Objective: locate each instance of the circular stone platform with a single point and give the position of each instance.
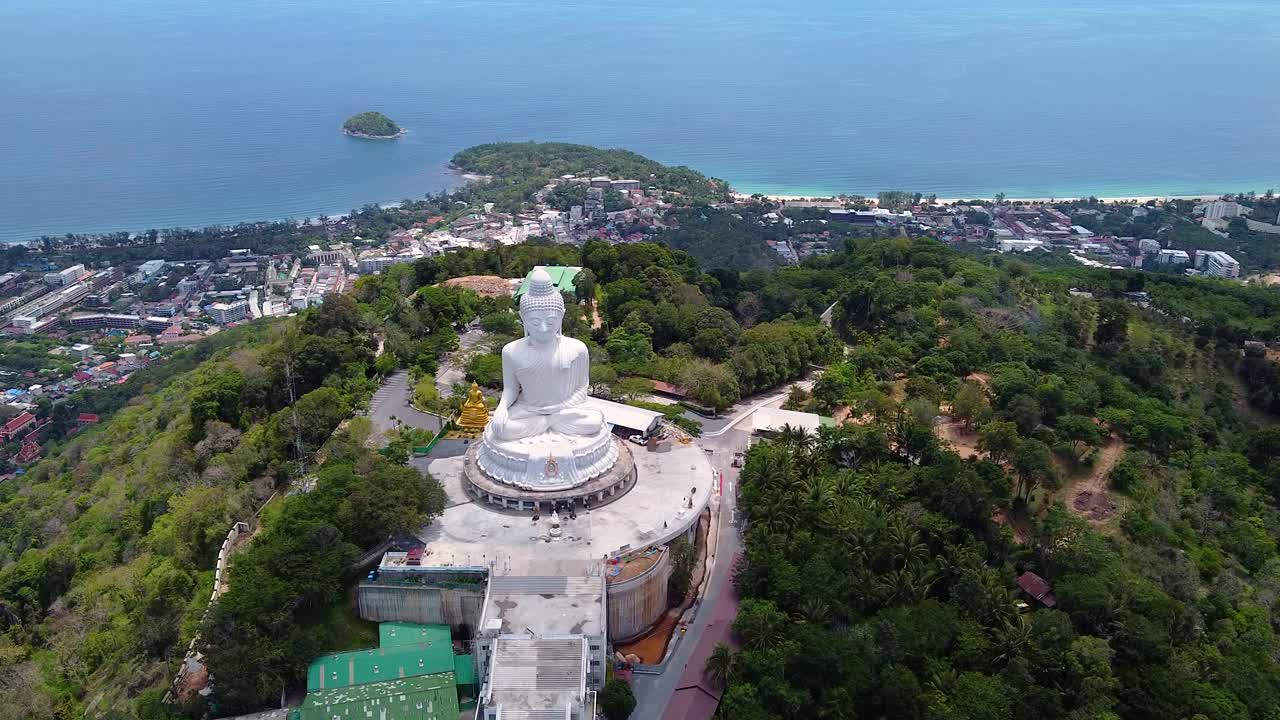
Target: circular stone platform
(601, 490)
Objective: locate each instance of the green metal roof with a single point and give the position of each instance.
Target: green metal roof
(391, 634)
(561, 276)
(427, 697)
(464, 669)
(360, 667)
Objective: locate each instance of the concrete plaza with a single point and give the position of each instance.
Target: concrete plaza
(653, 512)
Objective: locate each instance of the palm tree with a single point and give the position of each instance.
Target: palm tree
(907, 548)
(1011, 639)
(815, 611)
(722, 665)
(796, 438)
(819, 499)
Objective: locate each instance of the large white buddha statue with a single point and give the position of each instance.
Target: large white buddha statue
(542, 436)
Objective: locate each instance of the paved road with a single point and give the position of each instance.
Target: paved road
(392, 401)
(722, 437)
(715, 427)
(452, 370)
(653, 692)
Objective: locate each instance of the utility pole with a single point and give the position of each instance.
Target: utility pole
(297, 430)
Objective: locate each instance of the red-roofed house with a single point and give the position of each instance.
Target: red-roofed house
(16, 425)
(664, 388)
(82, 376)
(29, 452)
(697, 696)
(1037, 588)
(34, 434)
(87, 419)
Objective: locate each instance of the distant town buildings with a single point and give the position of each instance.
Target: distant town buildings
(1219, 209)
(66, 276)
(223, 313)
(151, 268)
(1218, 264)
(1173, 257)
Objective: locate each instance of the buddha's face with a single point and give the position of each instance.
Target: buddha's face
(542, 326)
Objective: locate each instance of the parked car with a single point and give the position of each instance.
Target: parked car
(638, 439)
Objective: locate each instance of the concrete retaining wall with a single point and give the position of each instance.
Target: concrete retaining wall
(452, 606)
(636, 604)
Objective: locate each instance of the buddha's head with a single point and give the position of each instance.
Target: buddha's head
(541, 308)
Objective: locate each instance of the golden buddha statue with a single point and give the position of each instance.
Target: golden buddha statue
(474, 415)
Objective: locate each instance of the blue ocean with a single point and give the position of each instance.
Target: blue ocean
(136, 114)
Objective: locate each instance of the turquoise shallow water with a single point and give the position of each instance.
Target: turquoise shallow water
(156, 113)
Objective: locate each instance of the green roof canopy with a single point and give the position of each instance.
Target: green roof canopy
(464, 669)
(561, 276)
(391, 634)
(427, 697)
(342, 670)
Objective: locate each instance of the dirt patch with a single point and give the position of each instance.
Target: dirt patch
(1265, 279)
(1015, 522)
(960, 438)
(651, 646)
(1090, 498)
(485, 285)
(1095, 507)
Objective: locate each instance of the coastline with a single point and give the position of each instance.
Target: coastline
(952, 201)
(362, 136)
(467, 178)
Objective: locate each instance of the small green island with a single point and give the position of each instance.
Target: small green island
(373, 125)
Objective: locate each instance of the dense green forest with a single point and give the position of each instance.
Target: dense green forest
(1109, 449)
(371, 124)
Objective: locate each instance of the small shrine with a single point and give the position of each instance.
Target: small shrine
(474, 415)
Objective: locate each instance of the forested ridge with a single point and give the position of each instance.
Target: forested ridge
(521, 169)
(879, 572)
(880, 565)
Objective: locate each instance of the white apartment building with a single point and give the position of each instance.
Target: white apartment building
(223, 313)
(1219, 209)
(1220, 264)
(65, 276)
(1173, 257)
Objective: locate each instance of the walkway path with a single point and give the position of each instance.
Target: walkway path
(452, 368)
(1090, 498)
(653, 692)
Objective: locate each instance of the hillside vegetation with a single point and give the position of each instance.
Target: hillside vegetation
(879, 575)
(108, 546)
